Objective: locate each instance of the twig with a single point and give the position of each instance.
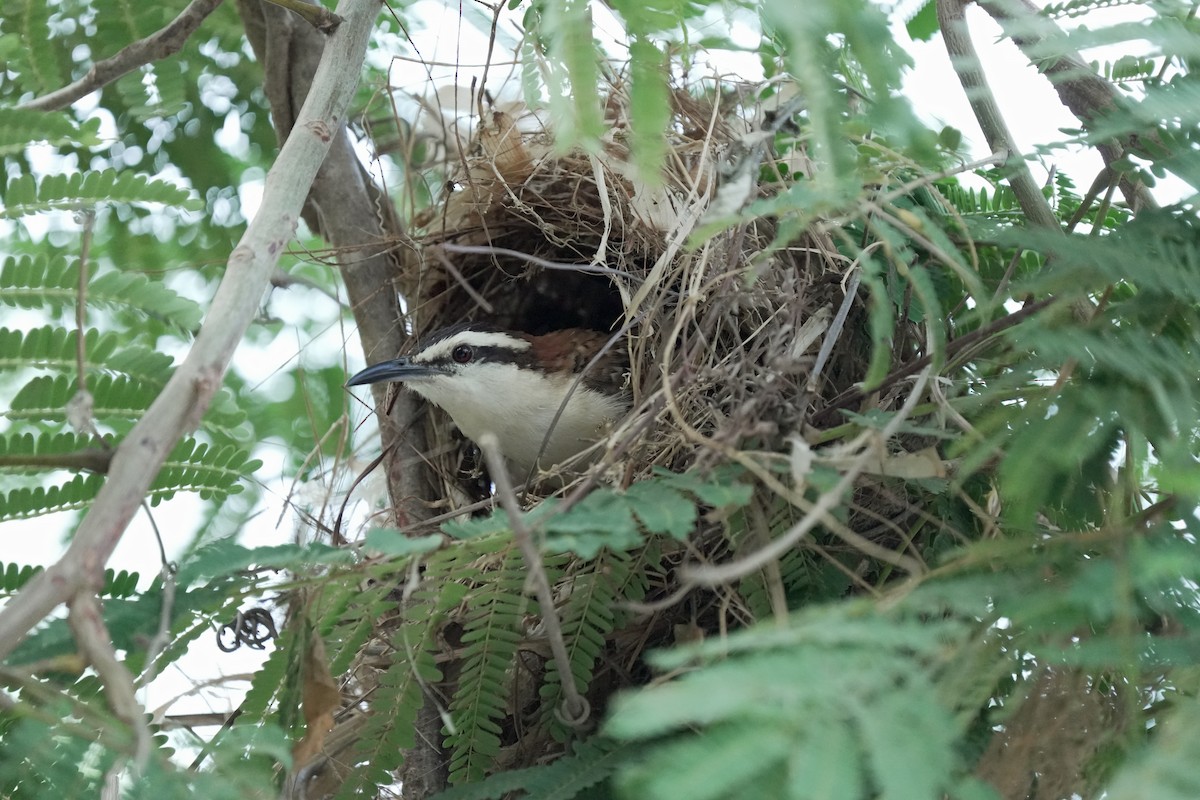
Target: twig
(190, 390)
(834, 332)
(158, 716)
(575, 708)
(591, 269)
(91, 460)
(995, 160)
(734, 570)
(962, 342)
(1087, 95)
(87, 624)
(987, 113)
(163, 635)
(462, 281)
(497, 10)
(314, 14)
(165, 42)
(189, 721)
(282, 280)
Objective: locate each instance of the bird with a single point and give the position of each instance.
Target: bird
(512, 384)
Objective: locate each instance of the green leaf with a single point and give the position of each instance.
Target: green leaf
(923, 25)
(661, 508)
(390, 542)
(24, 195)
(1163, 769)
(721, 487)
(21, 127)
(950, 137)
(750, 701)
(566, 31)
(711, 764)
(650, 107)
(897, 772)
(51, 283)
(602, 519)
(829, 766)
(588, 763)
(227, 557)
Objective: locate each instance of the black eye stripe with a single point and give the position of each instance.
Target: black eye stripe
(483, 355)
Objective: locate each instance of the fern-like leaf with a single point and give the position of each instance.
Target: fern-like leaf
(36, 61)
(51, 283)
(50, 346)
(16, 446)
(589, 763)
(24, 195)
(26, 502)
(491, 635)
(14, 576)
(587, 617)
(398, 697)
(875, 676)
(212, 472)
(20, 128)
(45, 398)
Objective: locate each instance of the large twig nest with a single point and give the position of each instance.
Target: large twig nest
(738, 338)
(724, 329)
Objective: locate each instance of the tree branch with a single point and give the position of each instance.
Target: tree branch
(189, 392)
(91, 460)
(316, 15)
(348, 210)
(1087, 95)
(575, 709)
(87, 624)
(987, 112)
(166, 42)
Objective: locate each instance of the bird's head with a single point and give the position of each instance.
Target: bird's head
(515, 385)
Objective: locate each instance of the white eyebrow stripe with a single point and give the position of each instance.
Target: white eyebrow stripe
(443, 348)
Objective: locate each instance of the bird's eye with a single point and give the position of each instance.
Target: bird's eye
(462, 354)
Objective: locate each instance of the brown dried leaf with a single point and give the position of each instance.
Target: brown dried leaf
(321, 698)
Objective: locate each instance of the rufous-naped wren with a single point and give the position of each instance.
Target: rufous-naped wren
(512, 385)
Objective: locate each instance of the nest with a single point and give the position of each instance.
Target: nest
(723, 332)
(741, 338)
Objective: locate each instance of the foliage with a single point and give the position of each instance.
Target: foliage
(1034, 513)
(805, 711)
(619, 519)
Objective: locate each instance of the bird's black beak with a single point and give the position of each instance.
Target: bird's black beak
(397, 369)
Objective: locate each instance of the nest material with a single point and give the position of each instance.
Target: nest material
(723, 336)
(723, 333)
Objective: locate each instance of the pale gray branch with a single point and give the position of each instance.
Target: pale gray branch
(189, 392)
(1088, 96)
(987, 113)
(575, 709)
(91, 634)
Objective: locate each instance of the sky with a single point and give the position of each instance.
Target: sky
(1030, 105)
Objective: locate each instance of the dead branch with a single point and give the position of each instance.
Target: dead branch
(162, 43)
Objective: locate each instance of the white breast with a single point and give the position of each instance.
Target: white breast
(518, 410)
